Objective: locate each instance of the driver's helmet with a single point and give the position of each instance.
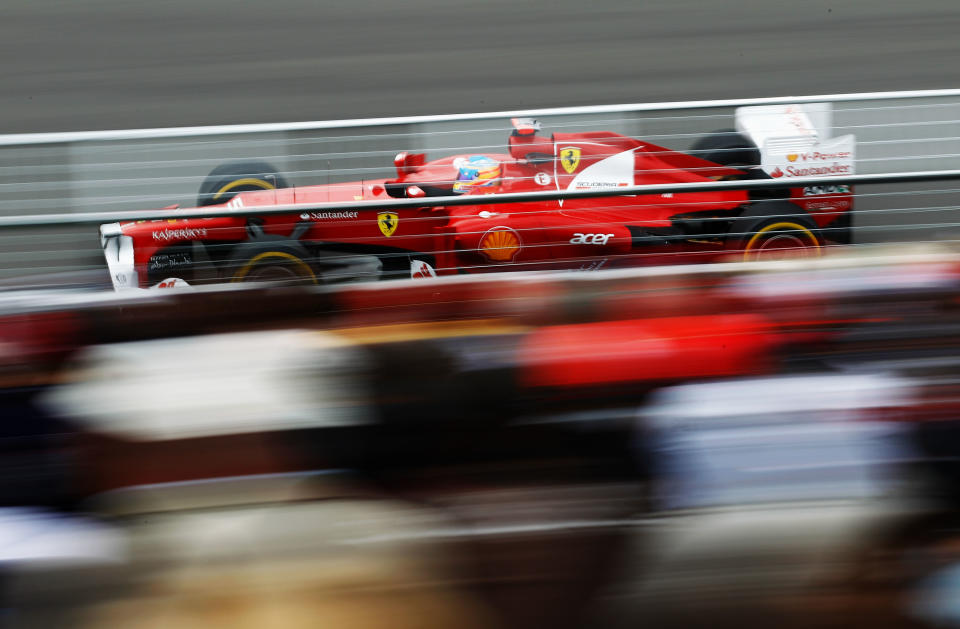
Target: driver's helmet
(476, 171)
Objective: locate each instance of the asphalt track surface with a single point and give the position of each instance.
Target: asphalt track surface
(109, 64)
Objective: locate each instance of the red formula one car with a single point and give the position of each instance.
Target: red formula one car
(327, 246)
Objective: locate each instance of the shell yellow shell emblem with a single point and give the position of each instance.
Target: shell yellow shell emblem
(500, 244)
(570, 158)
(387, 222)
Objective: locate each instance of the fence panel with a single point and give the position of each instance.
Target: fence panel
(143, 169)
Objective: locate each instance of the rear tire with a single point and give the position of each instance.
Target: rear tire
(774, 230)
(225, 181)
(727, 148)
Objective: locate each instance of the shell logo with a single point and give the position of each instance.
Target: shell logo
(792, 157)
(500, 244)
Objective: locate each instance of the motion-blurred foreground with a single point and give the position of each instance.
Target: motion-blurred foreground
(734, 444)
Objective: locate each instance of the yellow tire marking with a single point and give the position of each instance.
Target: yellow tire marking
(260, 183)
(297, 262)
(784, 225)
(395, 332)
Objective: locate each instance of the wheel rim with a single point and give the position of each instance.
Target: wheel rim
(243, 185)
(782, 241)
(276, 266)
(274, 273)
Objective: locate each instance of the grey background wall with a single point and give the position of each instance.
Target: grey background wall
(113, 64)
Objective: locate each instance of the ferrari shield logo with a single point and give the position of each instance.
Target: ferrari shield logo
(387, 221)
(570, 158)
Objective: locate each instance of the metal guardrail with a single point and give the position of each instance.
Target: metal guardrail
(54, 186)
(184, 132)
(93, 218)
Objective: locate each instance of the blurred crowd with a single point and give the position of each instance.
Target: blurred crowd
(772, 443)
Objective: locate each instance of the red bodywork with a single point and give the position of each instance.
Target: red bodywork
(570, 234)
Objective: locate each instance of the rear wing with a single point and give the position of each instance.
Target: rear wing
(795, 140)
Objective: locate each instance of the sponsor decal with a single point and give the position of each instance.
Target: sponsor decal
(599, 185)
(570, 158)
(187, 233)
(813, 171)
(319, 216)
(387, 222)
(776, 172)
(590, 239)
(235, 202)
(171, 282)
(815, 191)
(500, 244)
(420, 269)
(817, 156)
(798, 119)
(828, 205)
(615, 171)
(488, 214)
(543, 179)
(169, 261)
(792, 157)
(594, 265)
(121, 279)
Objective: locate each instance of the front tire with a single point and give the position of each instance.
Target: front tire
(227, 180)
(271, 261)
(774, 230)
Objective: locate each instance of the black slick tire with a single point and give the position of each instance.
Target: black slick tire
(279, 261)
(225, 181)
(770, 230)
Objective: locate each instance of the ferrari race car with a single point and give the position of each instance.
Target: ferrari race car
(781, 141)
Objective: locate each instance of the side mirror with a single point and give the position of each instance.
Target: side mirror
(525, 126)
(408, 191)
(407, 163)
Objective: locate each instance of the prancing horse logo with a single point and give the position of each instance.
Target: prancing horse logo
(570, 158)
(387, 221)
